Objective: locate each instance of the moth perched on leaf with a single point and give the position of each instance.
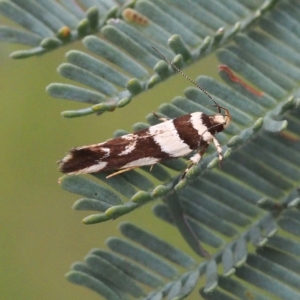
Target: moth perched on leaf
(169, 139)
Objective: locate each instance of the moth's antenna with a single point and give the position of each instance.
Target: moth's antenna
(188, 78)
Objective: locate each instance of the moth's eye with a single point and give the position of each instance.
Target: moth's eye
(227, 120)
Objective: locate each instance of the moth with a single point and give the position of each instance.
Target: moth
(172, 138)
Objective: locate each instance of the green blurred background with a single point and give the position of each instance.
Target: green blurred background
(41, 235)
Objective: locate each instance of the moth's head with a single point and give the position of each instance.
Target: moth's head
(221, 121)
(227, 118)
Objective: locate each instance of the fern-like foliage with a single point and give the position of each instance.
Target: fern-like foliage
(254, 195)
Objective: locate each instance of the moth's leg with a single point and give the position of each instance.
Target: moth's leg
(120, 172)
(196, 158)
(219, 149)
(160, 118)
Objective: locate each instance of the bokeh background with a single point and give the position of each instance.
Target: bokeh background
(40, 234)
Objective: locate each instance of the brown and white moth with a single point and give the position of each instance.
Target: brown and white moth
(169, 139)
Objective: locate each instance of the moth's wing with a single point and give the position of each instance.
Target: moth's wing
(145, 147)
(81, 160)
